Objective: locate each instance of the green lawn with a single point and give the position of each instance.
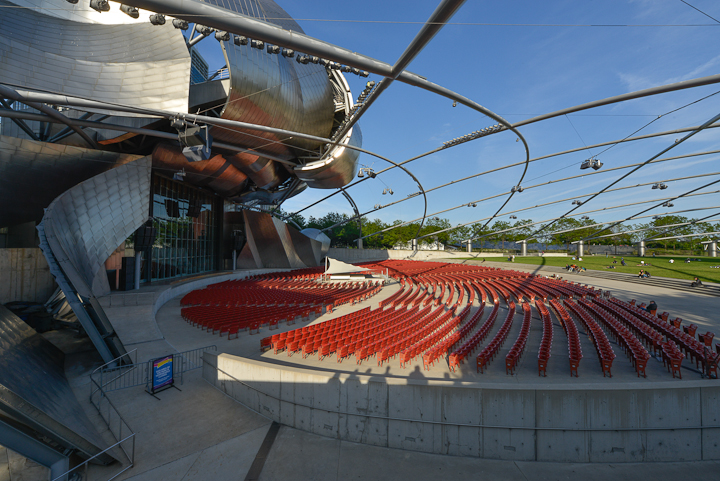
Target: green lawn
(660, 267)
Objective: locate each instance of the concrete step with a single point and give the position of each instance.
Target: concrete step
(665, 282)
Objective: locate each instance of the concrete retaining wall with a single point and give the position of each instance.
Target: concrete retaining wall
(607, 423)
(25, 276)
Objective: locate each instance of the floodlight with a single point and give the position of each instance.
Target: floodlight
(656, 186)
(378, 206)
(513, 217)
(576, 202)
(258, 44)
(370, 84)
(663, 186)
(361, 174)
(157, 19)
(356, 71)
(204, 30)
(303, 59)
(364, 73)
(454, 103)
(345, 69)
(221, 35)
(474, 205)
(315, 59)
(273, 49)
(72, 1)
(129, 10)
(288, 52)
(585, 164)
(240, 40)
(596, 164)
(100, 5)
(180, 24)
(197, 142)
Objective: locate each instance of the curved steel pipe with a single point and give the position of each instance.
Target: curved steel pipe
(50, 112)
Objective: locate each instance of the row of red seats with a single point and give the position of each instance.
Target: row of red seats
(411, 337)
(303, 335)
(516, 351)
(604, 350)
(640, 328)
(568, 325)
(693, 348)
(547, 337)
(466, 349)
(630, 344)
(489, 352)
(443, 347)
(444, 336)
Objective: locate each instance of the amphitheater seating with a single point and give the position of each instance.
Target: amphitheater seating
(491, 350)
(574, 348)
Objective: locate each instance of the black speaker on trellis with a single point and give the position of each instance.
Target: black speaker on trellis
(145, 237)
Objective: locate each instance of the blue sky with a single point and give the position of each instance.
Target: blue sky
(520, 71)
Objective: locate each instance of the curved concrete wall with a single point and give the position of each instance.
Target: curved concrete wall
(668, 421)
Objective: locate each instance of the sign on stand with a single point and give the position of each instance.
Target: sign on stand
(162, 374)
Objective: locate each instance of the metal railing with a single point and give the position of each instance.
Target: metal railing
(138, 374)
(116, 424)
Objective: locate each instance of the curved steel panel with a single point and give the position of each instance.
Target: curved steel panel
(98, 56)
(272, 243)
(88, 222)
(274, 90)
(33, 173)
(34, 390)
(338, 169)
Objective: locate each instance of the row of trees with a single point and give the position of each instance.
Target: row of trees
(343, 231)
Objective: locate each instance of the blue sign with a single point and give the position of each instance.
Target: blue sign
(162, 373)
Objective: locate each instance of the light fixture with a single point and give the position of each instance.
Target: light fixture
(474, 205)
(513, 217)
(258, 44)
(356, 71)
(240, 40)
(288, 52)
(378, 206)
(204, 29)
(100, 5)
(656, 217)
(576, 202)
(72, 1)
(516, 188)
(180, 24)
(196, 141)
(222, 36)
(668, 204)
(315, 59)
(273, 49)
(596, 164)
(157, 19)
(585, 217)
(370, 84)
(129, 10)
(345, 69)
(303, 59)
(454, 103)
(361, 173)
(663, 186)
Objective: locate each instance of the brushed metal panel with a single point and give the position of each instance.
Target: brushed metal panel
(82, 245)
(72, 49)
(33, 173)
(34, 390)
(336, 171)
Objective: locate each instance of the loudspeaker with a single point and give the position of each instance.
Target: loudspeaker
(127, 274)
(145, 237)
(172, 208)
